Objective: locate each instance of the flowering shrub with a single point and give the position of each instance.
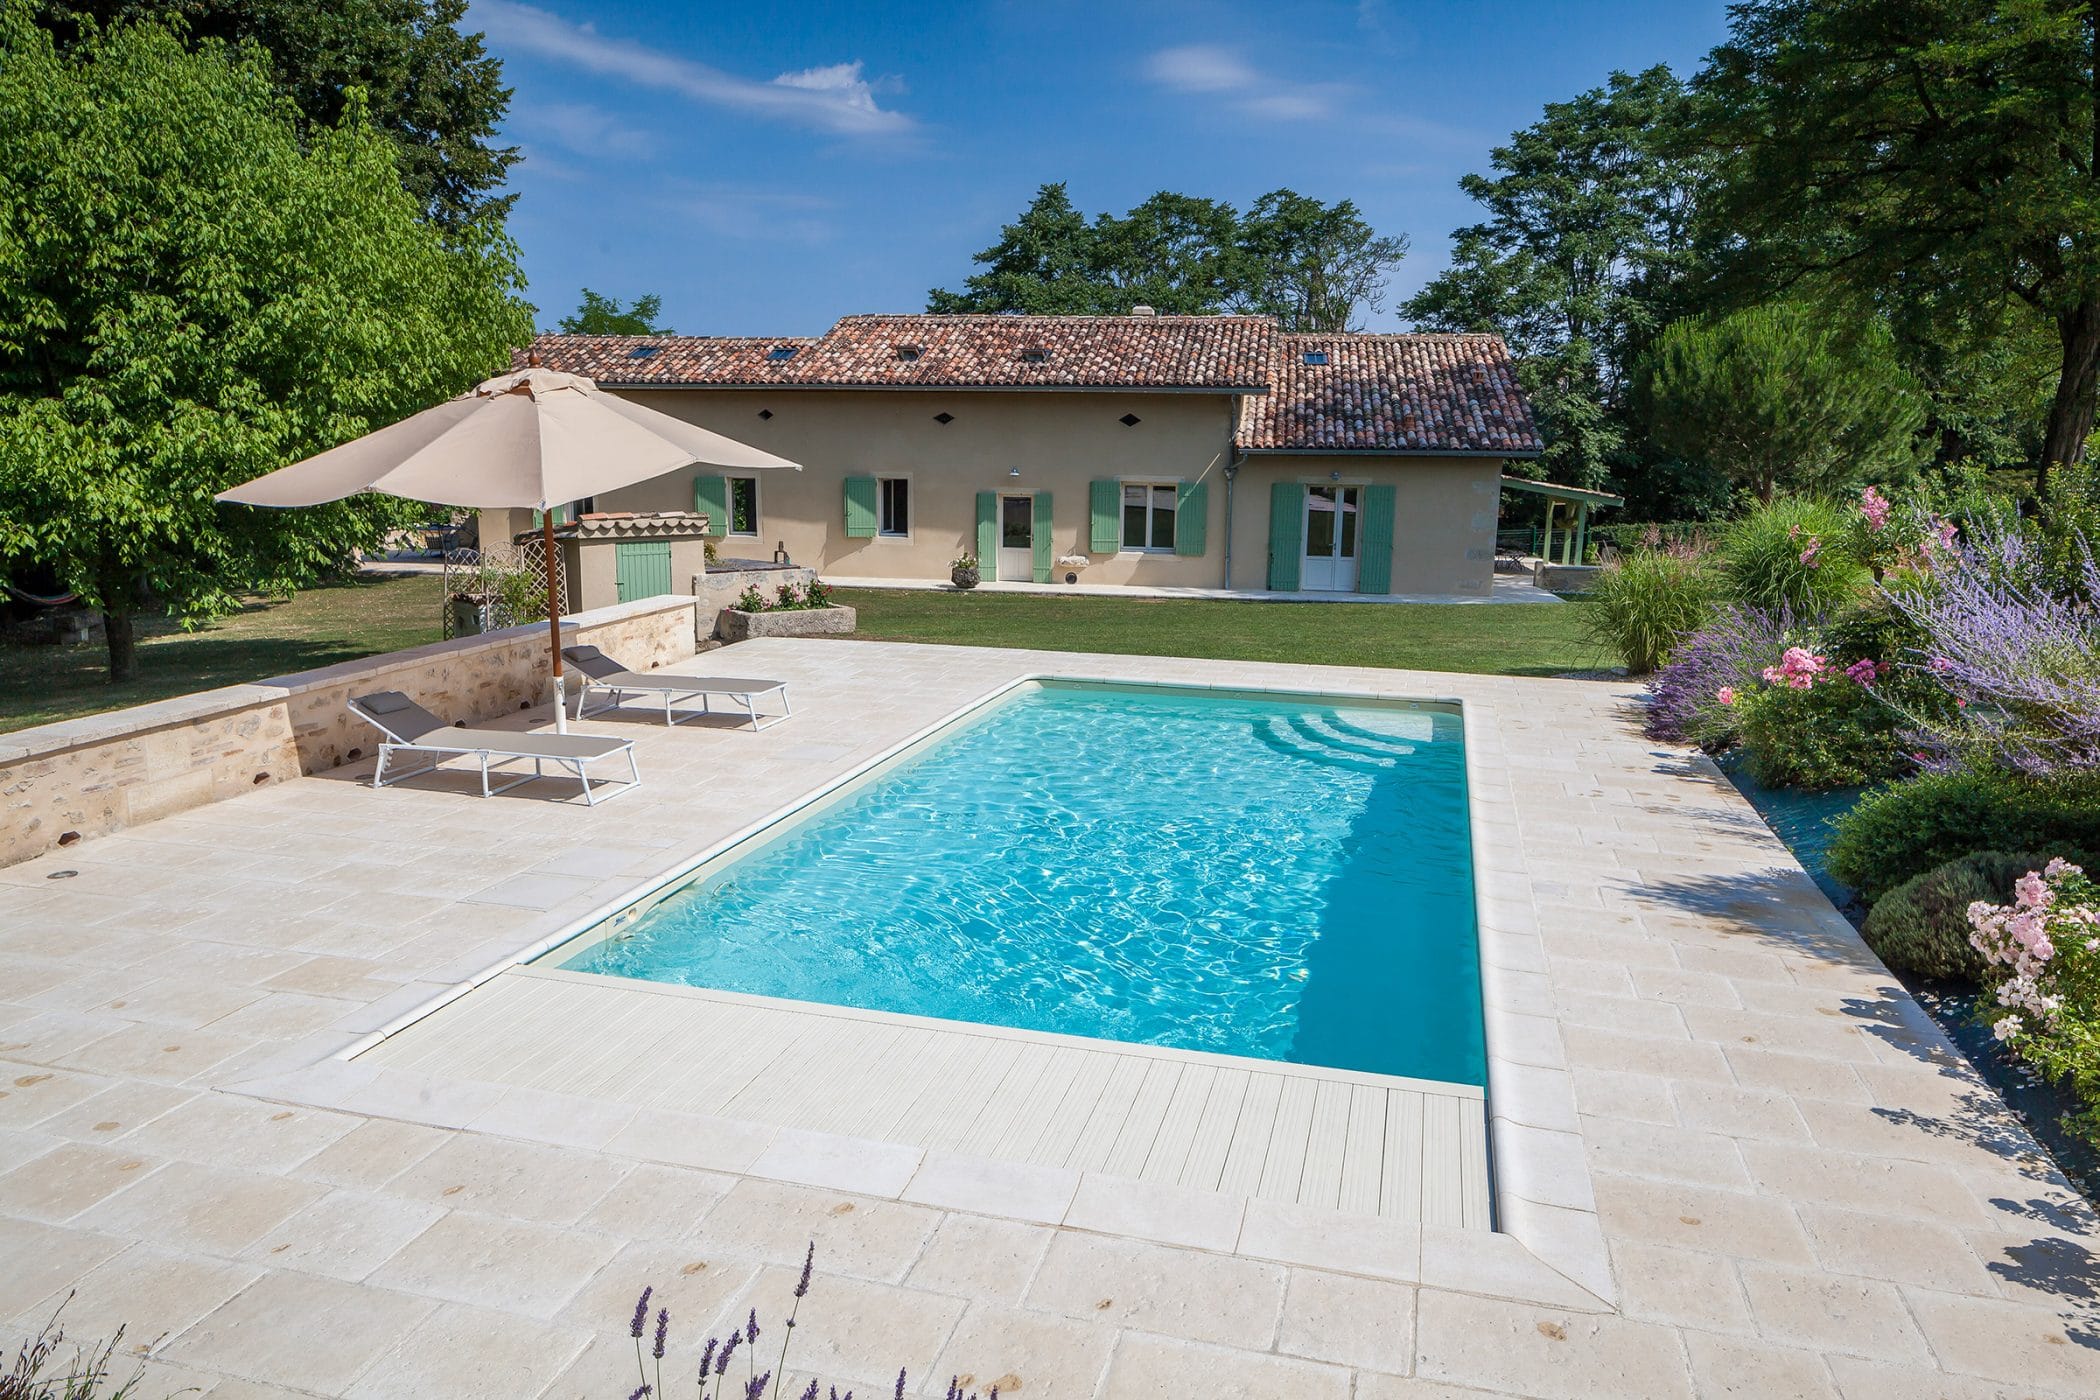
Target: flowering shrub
(1814, 724)
(2019, 656)
(2043, 950)
(717, 1357)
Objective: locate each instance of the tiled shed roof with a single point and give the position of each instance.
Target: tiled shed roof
(1374, 393)
(1390, 393)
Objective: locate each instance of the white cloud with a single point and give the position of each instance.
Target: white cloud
(835, 98)
(584, 129)
(1210, 70)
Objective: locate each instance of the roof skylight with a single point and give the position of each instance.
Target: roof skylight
(1316, 357)
(643, 352)
(782, 352)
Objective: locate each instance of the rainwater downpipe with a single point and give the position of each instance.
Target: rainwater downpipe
(1232, 472)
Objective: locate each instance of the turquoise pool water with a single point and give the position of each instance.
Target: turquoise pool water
(1285, 879)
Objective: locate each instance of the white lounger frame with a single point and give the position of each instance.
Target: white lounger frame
(672, 695)
(492, 760)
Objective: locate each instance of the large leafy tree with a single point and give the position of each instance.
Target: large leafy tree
(431, 87)
(196, 289)
(1043, 264)
(603, 315)
(1588, 249)
(1949, 147)
(1313, 266)
(1779, 397)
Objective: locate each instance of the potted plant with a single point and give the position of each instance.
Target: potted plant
(963, 572)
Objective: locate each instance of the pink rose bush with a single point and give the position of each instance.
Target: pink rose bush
(2043, 983)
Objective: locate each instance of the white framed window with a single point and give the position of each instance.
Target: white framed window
(1148, 516)
(743, 505)
(893, 506)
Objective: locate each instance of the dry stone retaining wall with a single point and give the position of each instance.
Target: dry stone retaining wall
(65, 782)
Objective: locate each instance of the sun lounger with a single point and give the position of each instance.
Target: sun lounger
(604, 673)
(409, 727)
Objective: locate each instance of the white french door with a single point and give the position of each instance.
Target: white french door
(1331, 516)
(1016, 539)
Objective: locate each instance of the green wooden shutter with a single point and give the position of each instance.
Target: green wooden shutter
(1374, 540)
(1191, 517)
(1105, 506)
(1039, 536)
(561, 517)
(641, 569)
(988, 534)
(711, 499)
(860, 507)
(1286, 534)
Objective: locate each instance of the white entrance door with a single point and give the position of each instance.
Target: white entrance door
(1016, 539)
(1330, 539)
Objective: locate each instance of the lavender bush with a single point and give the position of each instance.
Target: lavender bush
(2019, 653)
(717, 1356)
(1725, 656)
(47, 1367)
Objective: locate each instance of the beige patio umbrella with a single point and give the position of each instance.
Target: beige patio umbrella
(534, 438)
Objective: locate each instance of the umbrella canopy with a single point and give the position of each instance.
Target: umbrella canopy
(536, 438)
(532, 438)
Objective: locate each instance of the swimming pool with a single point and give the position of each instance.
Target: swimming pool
(1287, 878)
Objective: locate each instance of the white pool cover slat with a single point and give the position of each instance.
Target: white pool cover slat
(1403, 1148)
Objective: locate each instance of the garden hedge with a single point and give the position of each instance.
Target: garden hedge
(1904, 830)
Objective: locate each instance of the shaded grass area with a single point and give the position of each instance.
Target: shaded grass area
(317, 627)
(1506, 640)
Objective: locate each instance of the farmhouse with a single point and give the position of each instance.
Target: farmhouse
(1145, 450)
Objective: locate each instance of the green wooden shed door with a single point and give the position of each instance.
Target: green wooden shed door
(641, 568)
(1286, 534)
(1374, 550)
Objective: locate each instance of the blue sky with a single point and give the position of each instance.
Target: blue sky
(769, 168)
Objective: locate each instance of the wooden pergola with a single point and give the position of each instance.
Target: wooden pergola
(1576, 500)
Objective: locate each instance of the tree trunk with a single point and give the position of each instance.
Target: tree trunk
(2071, 412)
(123, 647)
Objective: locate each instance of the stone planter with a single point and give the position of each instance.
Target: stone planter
(737, 625)
(964, 578)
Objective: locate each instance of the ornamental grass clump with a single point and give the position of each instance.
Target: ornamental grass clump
(1800, 552)
(1645, 602)
(48, 1367)
(2042, 956)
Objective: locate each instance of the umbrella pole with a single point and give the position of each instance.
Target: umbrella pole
(561, 708)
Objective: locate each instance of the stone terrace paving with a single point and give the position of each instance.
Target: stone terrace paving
(1800, 1188)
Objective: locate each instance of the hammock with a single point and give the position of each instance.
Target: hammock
(42, 600)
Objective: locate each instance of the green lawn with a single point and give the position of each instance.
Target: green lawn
(1509, 640)
(318, 627)
(341, 622)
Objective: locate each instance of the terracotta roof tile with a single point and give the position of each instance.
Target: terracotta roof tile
(1375, 393)
(948, 352)
(1393, 393)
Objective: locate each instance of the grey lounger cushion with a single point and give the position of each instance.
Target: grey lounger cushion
(409, 724)
(609, 673)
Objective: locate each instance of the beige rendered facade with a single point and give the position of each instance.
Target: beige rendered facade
(1177, 452)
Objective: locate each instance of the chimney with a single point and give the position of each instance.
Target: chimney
(1142, 311)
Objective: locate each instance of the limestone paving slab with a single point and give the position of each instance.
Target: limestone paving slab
(1799, 1187)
